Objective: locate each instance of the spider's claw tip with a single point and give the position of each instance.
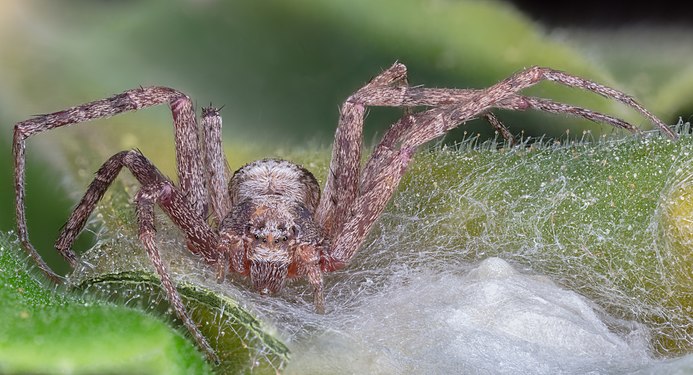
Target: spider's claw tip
(210, 111)
(212, 356)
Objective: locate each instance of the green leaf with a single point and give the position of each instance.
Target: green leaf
(241, 341)
(49, 331)
(610, 219)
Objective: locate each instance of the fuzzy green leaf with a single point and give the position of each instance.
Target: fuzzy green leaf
(610, 219)
(46, 331)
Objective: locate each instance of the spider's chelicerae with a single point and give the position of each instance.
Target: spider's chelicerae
(269, 221)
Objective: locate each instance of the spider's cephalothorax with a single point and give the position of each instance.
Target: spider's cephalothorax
(271, 229)
(272, 223)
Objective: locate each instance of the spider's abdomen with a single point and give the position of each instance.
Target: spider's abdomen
(274, 177)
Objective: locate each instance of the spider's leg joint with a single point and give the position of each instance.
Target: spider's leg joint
(166, 193)
(328, 263)
(407, 153)
(522, 104)
(177, 104)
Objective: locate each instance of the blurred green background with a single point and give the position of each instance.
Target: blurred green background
(282, 69)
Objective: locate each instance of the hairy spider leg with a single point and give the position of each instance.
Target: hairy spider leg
(342, 181)
(503, 94)
(189, 159)
(145, 200)
(501, 129)
(390, 158)
(156, 188)
(217, 171)
(521, 103)
(187, 207)
(201, 238)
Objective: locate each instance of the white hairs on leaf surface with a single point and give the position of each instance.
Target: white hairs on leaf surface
(591, 218)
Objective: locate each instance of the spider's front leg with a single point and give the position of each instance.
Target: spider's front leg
(188, 157)
(156, 189)
(349, 220)
(187, 207)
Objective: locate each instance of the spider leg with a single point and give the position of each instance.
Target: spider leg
(155, 189)
(504, 94)
(536, 74)
(387, 89)
(342, 182)
(189, 159)
(381, 176)
(500, 128)
(522, 103)
(201, 238)
(216, 168)
(389, 160)
(145, 201)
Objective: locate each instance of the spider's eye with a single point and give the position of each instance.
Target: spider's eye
(257, 237)
(284, 238)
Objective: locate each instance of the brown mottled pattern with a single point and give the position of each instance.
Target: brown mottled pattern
(273, 224)
(188, 156)
(499, 127)
(217, 170)
(274, 177)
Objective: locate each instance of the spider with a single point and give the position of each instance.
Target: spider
(269, 220)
